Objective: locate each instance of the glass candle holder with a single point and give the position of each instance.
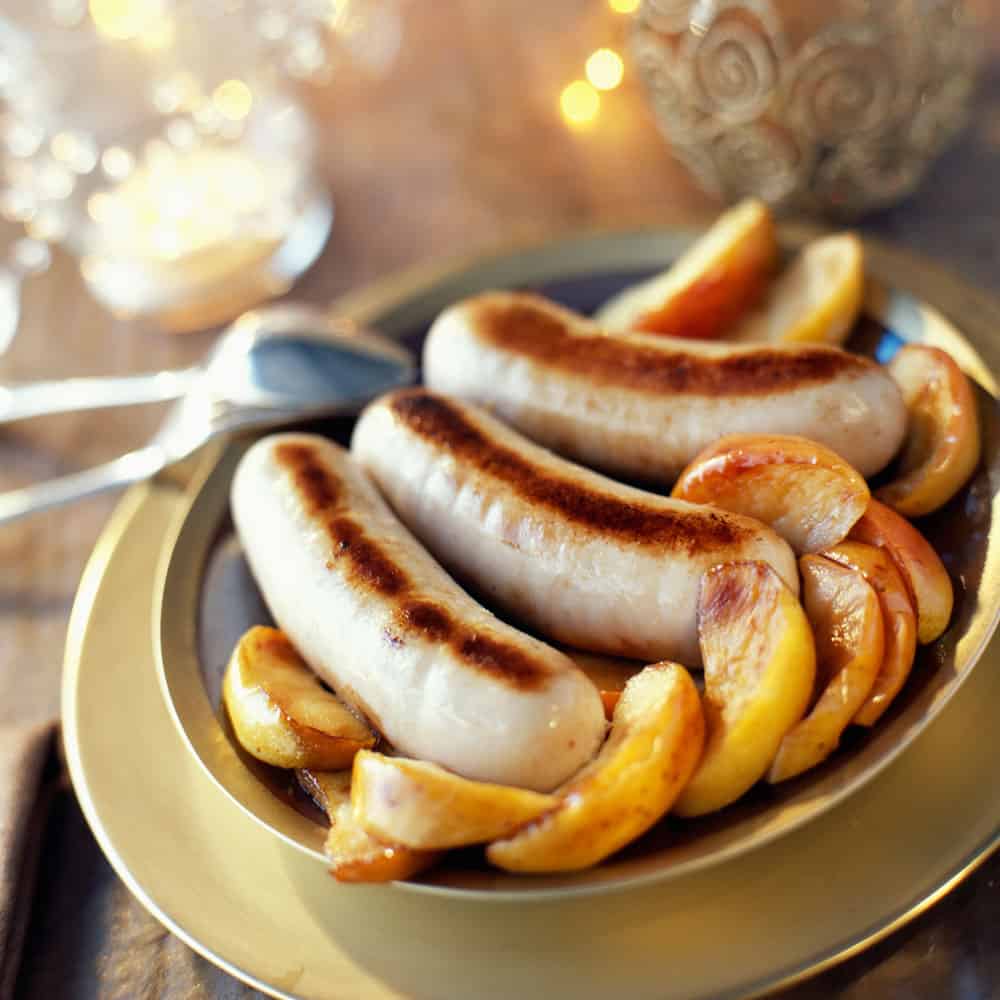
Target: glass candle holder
(835, 108)
(153, 141)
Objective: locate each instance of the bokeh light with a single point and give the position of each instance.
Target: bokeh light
(605, 69)
(233, 99)
(123, 19)
(624, 6)
(579, 102)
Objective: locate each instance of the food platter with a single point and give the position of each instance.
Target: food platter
(209, 599)
(956, 822)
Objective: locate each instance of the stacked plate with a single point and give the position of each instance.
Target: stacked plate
(768, 891)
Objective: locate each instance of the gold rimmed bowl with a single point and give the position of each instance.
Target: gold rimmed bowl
(206, 597)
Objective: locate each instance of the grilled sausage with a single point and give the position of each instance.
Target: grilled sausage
(583, 559)
(394, 635)
(642, 406)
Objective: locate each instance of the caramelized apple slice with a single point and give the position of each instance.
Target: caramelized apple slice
(816, 299)
(760, 664)
(942, 445)
(281, 713)
(846, 619)
(897, 615)
(923, 572)
(656, 739)
(354, 854)
(419, 804)
(710, 287)
(802, 489)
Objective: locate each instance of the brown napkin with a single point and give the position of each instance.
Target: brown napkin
(26, 790)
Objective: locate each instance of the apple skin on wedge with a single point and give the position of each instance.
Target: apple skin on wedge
(760, 664)
(713, 285)
(920, 566)
(280, 712)
(803, 490)
(354, 854)
(843, 609)
(942, 444)
(898, 617)
(655, 742)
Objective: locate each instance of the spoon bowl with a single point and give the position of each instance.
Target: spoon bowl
(293, 358)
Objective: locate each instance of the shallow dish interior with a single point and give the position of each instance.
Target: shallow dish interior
(208, 597)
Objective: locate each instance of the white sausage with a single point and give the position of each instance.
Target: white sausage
(581, 558)
(642, 406)
(394, 635)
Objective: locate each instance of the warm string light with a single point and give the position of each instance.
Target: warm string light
(580, 102)
(605, 69)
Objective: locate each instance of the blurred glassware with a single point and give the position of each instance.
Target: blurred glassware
(154, 140)
(25, 257)
(835, 108)
(315, 39)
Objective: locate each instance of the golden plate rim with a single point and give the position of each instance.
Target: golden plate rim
(90, 638)
(391, 307)
(112, 809)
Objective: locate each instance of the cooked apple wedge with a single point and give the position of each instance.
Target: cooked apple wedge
(942, 444)
(760, 663)
(816, 299)
(922, 570)
(656, 740)
(281, 713)
(710, 287)
(807, 493)
(900, 622)
(354, 854)
(419, 804)
(846, 620)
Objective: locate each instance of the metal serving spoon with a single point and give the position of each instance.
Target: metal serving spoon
(272, 366)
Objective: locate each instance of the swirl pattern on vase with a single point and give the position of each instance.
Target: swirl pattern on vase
(840, 117)
(734, 69)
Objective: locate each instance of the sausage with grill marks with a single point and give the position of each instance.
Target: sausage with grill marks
(382, 623)
(642, 406)
(581, 558)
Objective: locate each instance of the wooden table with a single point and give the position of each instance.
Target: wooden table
(460, 148)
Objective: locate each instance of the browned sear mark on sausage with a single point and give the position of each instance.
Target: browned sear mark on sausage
(366, 564)
(499, 659)
(443, 422)
(426, 619)
(318, 486)
(532, 327)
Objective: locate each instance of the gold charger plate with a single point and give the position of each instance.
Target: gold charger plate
(264, 910)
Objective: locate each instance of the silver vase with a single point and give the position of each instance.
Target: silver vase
(835, 108)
